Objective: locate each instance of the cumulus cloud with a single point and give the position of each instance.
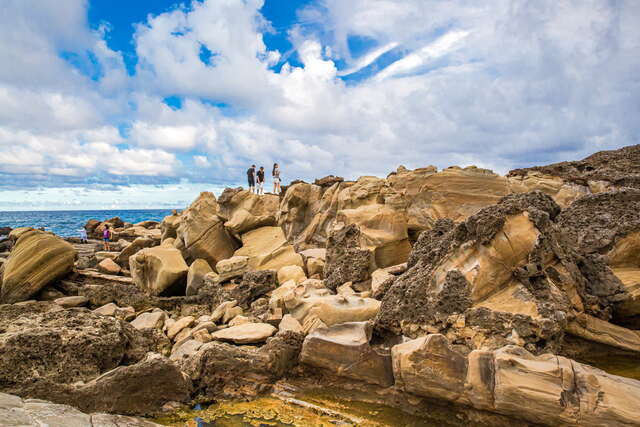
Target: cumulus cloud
(500, 84)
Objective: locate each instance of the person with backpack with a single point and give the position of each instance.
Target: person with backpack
(261, 181)
(251, 173)
(276, 178)
(106, 237)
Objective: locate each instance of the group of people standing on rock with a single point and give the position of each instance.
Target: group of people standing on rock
(257, 177)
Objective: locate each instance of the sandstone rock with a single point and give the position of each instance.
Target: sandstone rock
(231, 268)
(220, 370)
(315, 266)
(446, 369)
(102, 255)
(139, 389)
(267, 249)
(137, 231)
(248, 333)
(506, 268)
(344, 349)
(159, 270)
(221, 310)
(378, 277)
(37, 260)
(202, 335)
(346, 261)
(150, 320)
(546, 389)
(195, 277)
(169, 226)
(239, 320)
(108, 266)
(291, 272)
(69, 302)
(289, 323)
(244, 211)
(597, 330)
(107, 310)
(185, 349)
(317, 253)
(49, 293)
(201, 233)
(43, 345)
(132, 248)
(231, 313)
(183, 335)
(182, 323)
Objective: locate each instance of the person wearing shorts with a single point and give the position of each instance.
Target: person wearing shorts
(106, 237)
(276, 178)
(261, 180)
(251, 177)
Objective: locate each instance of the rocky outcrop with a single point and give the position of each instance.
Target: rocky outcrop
(605, 169)
(346, 261)
(344, 349)
(201, 232)
(223, 370)
(505, 275)
(43, 346)
(122, 259)
(546, 389)
(267, 249)
(244, 211)
(37, 260)
(159, 271)
(195, 277)
(15, 411)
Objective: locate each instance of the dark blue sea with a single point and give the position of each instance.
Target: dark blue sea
(67, 223)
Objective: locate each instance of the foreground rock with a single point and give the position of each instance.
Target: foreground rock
(17, 412)
(46, 350)
(546, 389)
(38, 259)
(159, 270)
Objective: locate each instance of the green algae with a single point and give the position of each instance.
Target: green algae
(624, 366)
(319, 410)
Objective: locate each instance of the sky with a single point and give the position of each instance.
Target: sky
(143, 104)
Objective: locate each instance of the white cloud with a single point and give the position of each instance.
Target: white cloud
(500, 84)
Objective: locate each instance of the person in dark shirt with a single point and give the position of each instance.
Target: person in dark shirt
(251, 177)
(261, 180)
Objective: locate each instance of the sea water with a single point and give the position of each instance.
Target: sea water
(68, 223)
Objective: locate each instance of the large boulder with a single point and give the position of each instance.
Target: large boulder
(244, 211)
(195, 277)
(220, 370)
(43, 345)
(159, 271)
(201, 232)
(346, 260)
(506, 275)
(545, 389)
(37, 260)
(122, 259)
(267, 249)
(169, 226)
(345, 350)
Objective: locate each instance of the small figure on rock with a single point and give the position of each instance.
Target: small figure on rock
(106, 237)
(276, 178)
(251, 177)
(261, 181)
(83, 236)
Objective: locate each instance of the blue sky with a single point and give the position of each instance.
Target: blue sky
(113, 103)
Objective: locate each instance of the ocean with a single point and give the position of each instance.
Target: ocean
(67, 223)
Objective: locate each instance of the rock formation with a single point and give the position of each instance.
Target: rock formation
(37, 259)
(457, 290)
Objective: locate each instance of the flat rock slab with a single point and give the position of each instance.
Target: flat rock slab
(248, 333)
(32, 412)
(97, 275)
(69, 302)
